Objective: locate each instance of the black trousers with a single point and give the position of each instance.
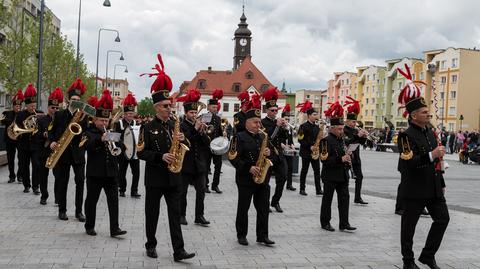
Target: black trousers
(94, 188)
(62, 176)
(122, 174)
(280, 169)
(306, 161)
(11, 151)
(198, 181)
(260, 194)
(217, 164)
(39, 158)
(152, 211)
(24, 160)
(398, 202)
(357, 170)
(289, 160)
(342, 198)
(437, 207)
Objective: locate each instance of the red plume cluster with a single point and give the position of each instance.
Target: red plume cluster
(18, 96)
(218, 106)
(410, 91)
(305, 106)
(57, 94)
(334, 111)
(270, 94)
(30, 91)
(129, 100)
(286, 108)
(353, 106)
(78, 84)
(255, 102)
(163, 82)
(217, 94)
(105, 101)
(243, 97)
(92, 100)
(193, 95)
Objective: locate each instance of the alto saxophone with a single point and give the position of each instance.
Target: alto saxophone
(316, 147)
(177, 149)
(262, 162)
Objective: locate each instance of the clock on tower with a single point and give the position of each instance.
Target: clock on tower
(242, 42)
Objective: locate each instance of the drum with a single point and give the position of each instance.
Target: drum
(219, 145)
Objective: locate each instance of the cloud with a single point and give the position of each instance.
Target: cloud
(300, 41)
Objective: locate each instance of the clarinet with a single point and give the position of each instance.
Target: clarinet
(441, 165)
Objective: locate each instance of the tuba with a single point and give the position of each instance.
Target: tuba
(177, 149)
(262, 162)
(316, 150)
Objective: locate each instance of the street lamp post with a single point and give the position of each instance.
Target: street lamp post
(117, 39)
(114, 76)
(40, 55)
(106, 65)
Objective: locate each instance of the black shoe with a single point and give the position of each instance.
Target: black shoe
(348, 228)
(134, 195)
(217, 190)
(43, 201)
(152, 253)
(410, 265)
(121, 194)
(399, 212)
(425, 212)
(91, 232)
(291, 188)
(432, 264)
(202, 221)
(360, 201)
(11, 180)
(243, 241)
(183, 220)
(182, 255)
(117, 232)
(302, 192)
(320, 192)
(266, 241)
(62, 216)
(270, 210)
(26, 190)
(278, 208)
(207, 190)
(80, 217)
(328, 227)
(19, 180)
(36, 191)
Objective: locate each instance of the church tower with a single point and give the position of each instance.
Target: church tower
(243, 41)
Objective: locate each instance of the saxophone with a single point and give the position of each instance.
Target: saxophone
(316, 146)
(72, 130)
(262, 162)
(177, 149)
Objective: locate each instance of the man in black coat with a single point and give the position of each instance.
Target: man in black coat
(288, 144)
(102, 169)
(73, 156)
(216, 131)
(335, 175)
(249, 143)
(10, 144)
(194, 170)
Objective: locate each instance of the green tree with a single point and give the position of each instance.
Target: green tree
(145, 107)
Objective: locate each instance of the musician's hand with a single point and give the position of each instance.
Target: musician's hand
(198, 125)
(444, 189)
(280, 121)
(181, 136)
(254, 170)
(312, 148)
(266, 152)
(283, 146)
(363, 133)
(104, 137)
(346, 159)
(168, 158)
(438, 152)
(53, 145)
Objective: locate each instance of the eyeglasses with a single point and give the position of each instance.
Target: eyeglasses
(273, 110)
(55, 107)
(166, 106)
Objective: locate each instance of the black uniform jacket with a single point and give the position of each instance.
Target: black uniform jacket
(40, 139)
(73, 153)
(157, 141)
(333, 169)
(217, 127)
(419, 180)
(9, 118)
(274, 145)
(351, 137)
(100, 163)
(307, 134)
(239, 122)
(248, 149)
(195, 160)
(24, 140)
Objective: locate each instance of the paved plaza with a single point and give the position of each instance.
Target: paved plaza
(31, 236)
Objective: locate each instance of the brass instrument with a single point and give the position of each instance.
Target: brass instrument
(262, 162)
(316, 147)
(407, 152)
(177, 149)
(112, 147)
(224, 124)
(232, 151)
(115, 118)
(141, 140)
(29, 124)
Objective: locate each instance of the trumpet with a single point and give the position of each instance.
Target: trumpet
(112, 147)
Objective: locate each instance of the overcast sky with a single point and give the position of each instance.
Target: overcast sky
(301, 41)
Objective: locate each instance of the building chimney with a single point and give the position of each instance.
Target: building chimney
(209, 69)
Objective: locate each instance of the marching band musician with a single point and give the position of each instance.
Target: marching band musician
(335, 171)
(307, 134)
(194, 170)
(24, 145)
(422, 183)
(275, 128)
(102, 168)
(355, 136)
(249, 144)
(40, 143)
(127, 123)
(11, 145)
(73, 156)
(213, 107)
(239, 117)
(153, 146)
(288, 144)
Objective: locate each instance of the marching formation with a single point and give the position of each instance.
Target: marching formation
(99, 143)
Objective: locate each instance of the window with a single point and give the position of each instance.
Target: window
(443, 80)
(366, 90)
(442, 95)
(443, 64)
(413, 76)
(372, 112)
(383, 106)
(440, 111)
(201, 84)
(355, 96)
(264, 87)
(373, 88)
(366, 101)
(454, 62)
(452, 111)
(236, 87)
(226, 107)
(341, 92)
(116, 93)
(117, 85)
(366, 112)
(453, 94)
(454, 79)
(347, 81)
(109, 85)
(373, 76)
(421, 76)
(308, 96)
(373, 100)
(236, 107)
(249, 75)
(368, 77)
(451, 126)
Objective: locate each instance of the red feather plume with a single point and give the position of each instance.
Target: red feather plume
(353, 106)
(193, 95)
(129, 100)
(305, 106)
(30, 91)
(411, 90)
(243, 97)
(286, 108)
(217, 94)
(18, 96)
(334, 111)
(163, 82)
(57, 94)
(78, 84)
(256, 101)
(218, 106)
(92, 100)
(105, 101)
(270, 94)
